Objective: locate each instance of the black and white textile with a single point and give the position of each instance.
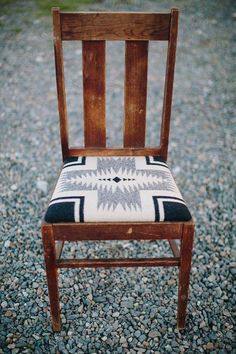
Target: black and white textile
(116, 189)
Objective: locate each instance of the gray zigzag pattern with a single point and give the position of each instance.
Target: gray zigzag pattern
(123, 163)
(127, 198)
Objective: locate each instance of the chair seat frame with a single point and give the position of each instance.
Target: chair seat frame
(69, 26)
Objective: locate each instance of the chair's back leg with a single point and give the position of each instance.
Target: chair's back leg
(52, 276)
(184, 272)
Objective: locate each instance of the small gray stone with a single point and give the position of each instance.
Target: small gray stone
(42, 186)
(4, 304)
(218, 291)
(7, 244)
(137, 334)
(202, 324)
(209, 346)
(153, 334)
(226, 312)
(127, 304)
(211, 278)
(116, 314)
(168, 348)
(142, 338)
(123, 340)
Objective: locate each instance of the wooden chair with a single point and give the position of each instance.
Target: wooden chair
(136, 29)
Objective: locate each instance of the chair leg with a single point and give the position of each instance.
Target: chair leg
(52, 275)
(184, 273)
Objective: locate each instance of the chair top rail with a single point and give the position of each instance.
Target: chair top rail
(115, 26)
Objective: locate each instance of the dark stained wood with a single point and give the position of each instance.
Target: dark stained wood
(94, 93)
(136, 64)
(61, 95)
(184, 273)
(52, 276)
(115, 26)
(76, 151)
(174, 248)
(117, 231)
(122, 262)
(136, 29)
(169, 81)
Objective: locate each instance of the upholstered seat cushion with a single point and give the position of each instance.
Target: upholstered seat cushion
(116, 189)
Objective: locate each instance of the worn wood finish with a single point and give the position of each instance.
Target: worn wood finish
(76, 151)
(121, 262)
(136, 64)
(117, 231)
(184, 273)
(52, 276)
(174, 248)
(115, 26)
(61, 95)
(169, 81)
(94, 93)
(136, 29)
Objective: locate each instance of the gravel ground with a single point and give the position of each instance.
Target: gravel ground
(120, 310)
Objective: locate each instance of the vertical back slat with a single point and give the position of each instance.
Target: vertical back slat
(94, 93)
(169, 80)
(60, 82)
(136, 62)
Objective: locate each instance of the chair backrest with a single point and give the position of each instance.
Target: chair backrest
(136, 29)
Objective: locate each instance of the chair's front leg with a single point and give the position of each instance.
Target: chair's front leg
(184, 272)
(52, 276)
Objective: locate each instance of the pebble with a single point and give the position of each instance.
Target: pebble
(210, 346)
(4, 304)
(127, 304)
(211, 278)
(226, 313)
(42, 186)
(202, 324)
(116, 314)
(122, 340)
(7, 244)
(168, 348)
(153, 334)
(142, 338)
(218, 291)
(39, 59)
(8, 313)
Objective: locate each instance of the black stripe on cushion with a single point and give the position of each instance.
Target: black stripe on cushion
(60, 212)
(176, 212)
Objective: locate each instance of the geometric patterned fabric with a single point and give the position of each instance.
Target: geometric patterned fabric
(116, 189)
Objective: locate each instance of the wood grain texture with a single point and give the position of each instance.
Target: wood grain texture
(76, 151)
(117, 231)
(115, 26)
(136, 64)
(169, 81)
(119, 262)
(52, 276)
(94, 93)
(61, 95)
(184, 273)
(93, 29)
